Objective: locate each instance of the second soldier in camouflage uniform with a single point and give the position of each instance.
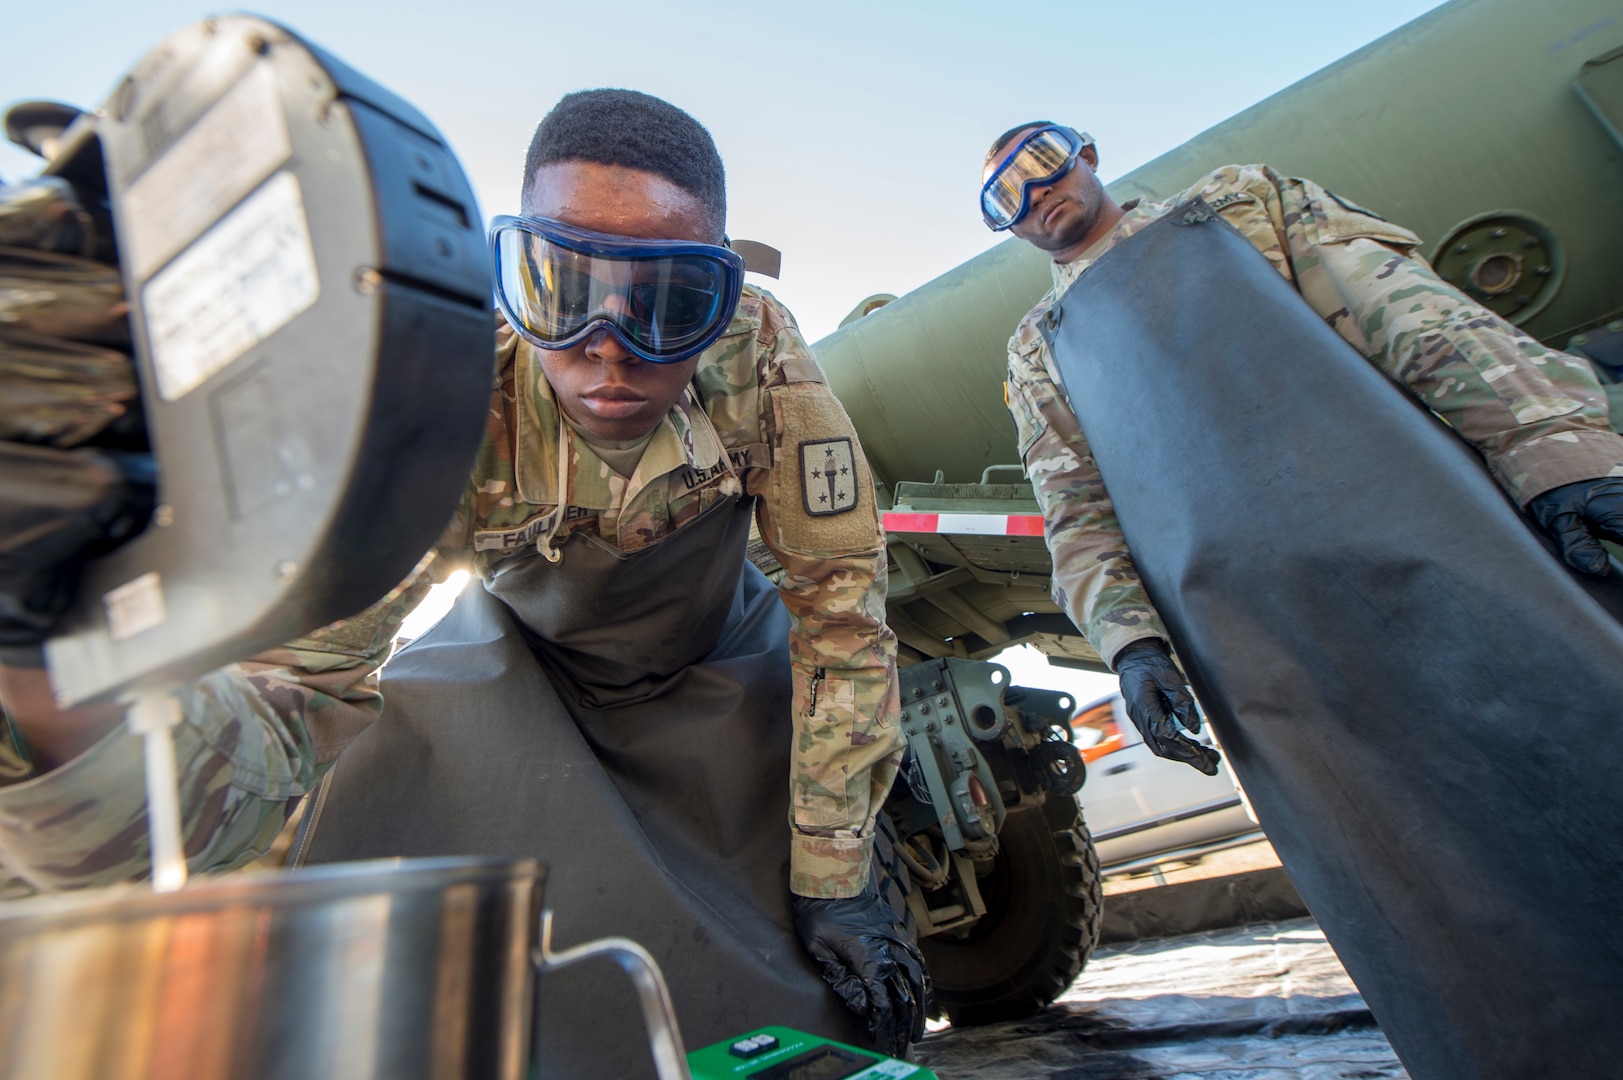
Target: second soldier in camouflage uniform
(1537, 416)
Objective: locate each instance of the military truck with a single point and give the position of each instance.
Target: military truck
(1508, 163)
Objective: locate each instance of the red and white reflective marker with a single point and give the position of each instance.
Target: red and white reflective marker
(965, 524)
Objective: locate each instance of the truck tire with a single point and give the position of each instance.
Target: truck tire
(1041, 924)
(890, 874)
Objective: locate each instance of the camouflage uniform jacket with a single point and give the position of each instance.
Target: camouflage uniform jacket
(1537, 415)
(258, 734)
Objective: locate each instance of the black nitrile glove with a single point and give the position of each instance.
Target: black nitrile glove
(1573, 515)
(1158, 701)
(871, 961)
(58, 509)
(75, 477)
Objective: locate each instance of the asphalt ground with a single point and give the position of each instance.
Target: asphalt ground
(1267, 1001)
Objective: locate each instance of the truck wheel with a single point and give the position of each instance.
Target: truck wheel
(890, 873)
(1041, 923)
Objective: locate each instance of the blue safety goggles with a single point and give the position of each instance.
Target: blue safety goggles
(1040, 158)
(663, 300)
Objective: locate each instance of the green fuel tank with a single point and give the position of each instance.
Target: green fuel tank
(1492, 124)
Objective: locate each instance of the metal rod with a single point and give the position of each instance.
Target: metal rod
(1227, 803)
(1018, 470)
(153, 716)
(658, 1014)
(1126, 869)
(915, 635)
(956, 607)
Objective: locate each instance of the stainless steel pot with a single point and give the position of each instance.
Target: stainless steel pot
(395, 968)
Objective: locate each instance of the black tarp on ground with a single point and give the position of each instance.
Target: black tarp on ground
(1423, 705)
(1261, 1002)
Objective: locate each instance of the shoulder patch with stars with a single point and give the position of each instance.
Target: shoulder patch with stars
(828, 476)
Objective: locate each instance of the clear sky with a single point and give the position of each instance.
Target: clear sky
(852, 129)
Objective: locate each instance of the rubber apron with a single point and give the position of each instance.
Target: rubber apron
(1422, 703)
(624, 717)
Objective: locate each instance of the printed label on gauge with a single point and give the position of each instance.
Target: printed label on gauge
(134, 606)
(241, 140)
(243, 280)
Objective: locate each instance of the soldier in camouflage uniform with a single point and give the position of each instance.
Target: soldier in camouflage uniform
(630, 466)
(1537, 416)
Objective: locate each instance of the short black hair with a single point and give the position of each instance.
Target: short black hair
(1003, 139)
(636, 131)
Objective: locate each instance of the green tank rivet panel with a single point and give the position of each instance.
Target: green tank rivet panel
(1506, 260)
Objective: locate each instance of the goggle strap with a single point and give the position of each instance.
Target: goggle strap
(758, 258)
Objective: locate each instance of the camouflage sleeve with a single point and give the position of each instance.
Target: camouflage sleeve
(253, 738)
(1094, 581)
(1538, 416)
(818, 516)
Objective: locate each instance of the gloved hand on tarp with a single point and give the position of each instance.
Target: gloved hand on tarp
(1158, 701)
(75, 475)
(871, 961)
(1578, 516)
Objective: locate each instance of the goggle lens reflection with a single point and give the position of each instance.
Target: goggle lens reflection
(663, 300)
(1043, 156)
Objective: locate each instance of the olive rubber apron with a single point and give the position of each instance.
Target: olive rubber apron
(1425, 707)
(624, 717)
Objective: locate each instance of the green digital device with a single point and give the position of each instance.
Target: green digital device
(778, 1053)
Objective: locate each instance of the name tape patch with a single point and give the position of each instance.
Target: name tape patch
(1222, 202)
